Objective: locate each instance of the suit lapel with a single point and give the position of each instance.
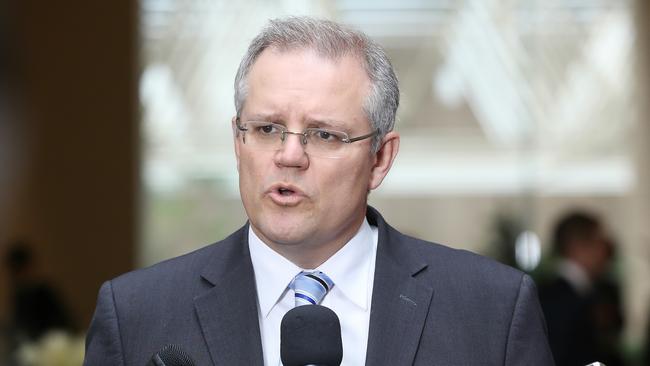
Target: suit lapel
(228, 311)
(400, 303)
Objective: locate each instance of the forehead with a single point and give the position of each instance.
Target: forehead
(301, 84)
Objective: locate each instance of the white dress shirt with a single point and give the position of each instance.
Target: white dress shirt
(351, 269)
(577, 276)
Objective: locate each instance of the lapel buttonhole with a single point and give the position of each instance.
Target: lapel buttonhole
(408, 300)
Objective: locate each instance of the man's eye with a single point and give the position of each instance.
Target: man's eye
(325, 136)
(267, 129)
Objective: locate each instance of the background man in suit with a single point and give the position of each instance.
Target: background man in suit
(313, 133)
(581, 303)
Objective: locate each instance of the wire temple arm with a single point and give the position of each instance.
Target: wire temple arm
(371, 134)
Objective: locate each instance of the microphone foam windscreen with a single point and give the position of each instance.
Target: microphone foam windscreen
(310, 335)
(173, 355)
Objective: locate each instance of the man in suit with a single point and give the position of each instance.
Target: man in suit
(581, 302)
(313, 133)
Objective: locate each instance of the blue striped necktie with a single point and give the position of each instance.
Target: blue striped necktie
(310, 287)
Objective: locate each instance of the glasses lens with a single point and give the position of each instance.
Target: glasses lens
(263, 135)
(325, 143)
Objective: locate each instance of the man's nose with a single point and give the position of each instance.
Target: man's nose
(292, 152)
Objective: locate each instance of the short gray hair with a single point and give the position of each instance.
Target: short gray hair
(330, 40)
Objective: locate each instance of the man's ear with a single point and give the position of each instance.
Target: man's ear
(235, 135)
(384, 159)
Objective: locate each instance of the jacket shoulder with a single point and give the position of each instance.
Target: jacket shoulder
(448, 267)
(463, 261)
(183, 271)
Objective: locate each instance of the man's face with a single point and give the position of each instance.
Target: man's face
(299, 203)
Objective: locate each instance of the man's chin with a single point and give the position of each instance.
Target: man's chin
(286, 236)
(285, 227)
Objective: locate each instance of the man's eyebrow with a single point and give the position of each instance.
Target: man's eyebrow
(328, 123)
(312, 122)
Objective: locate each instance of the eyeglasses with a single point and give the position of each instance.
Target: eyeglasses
(316, 141)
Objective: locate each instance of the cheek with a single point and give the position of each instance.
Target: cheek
(347, 181)
(249, 171)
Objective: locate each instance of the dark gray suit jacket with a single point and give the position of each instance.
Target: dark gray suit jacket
(431, 305)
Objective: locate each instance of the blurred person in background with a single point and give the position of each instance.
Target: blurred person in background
(35, 305)
(581, 303)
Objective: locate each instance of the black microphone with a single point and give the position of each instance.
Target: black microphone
(171, 355)
(310, 335)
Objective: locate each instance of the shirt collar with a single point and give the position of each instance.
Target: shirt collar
(349, 268)
(575, 275)
(273, 272)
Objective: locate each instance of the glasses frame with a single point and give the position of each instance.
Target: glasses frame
(284, 131)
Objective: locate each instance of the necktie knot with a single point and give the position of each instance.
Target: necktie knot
(310, 287)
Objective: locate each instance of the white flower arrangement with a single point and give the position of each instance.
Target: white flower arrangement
(56, 348)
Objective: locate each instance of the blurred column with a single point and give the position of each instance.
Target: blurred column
(12, 156)
(637, 250)
(75, 70)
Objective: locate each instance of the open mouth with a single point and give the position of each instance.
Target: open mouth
(286, 194)
(285, 191)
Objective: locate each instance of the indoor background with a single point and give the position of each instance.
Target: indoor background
(116, 148)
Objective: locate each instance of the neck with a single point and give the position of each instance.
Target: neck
(311, 253)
